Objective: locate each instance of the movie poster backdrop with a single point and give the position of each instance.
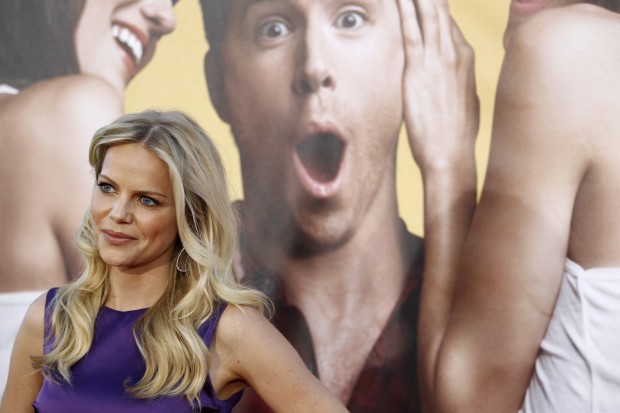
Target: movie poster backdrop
(175, 79)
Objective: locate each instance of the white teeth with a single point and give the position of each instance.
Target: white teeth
(124, 36)
(129, 39)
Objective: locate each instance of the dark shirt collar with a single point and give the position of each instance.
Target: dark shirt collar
(388, 381)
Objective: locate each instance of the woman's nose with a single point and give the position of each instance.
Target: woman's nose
(160, 14)
(121, 212)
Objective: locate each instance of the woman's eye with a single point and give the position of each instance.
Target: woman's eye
(147, 201)
(274, 29)
(107, 188)
(350, 20)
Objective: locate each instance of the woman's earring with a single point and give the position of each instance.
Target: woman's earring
(177, 261)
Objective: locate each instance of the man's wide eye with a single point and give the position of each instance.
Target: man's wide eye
(350, 20)
(274, 29)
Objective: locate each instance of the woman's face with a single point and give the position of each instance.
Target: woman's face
(133, 209)
(522, 10)
(115, 39)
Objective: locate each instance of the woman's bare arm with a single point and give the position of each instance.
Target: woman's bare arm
(248, 350)
(543, 143)
(24, 381)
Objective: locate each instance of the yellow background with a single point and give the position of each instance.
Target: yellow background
(175, 80)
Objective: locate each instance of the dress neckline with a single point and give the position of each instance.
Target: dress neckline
(112, 310)
(8, 89)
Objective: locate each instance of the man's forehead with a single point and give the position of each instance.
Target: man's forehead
(240, 8)
(243, 5)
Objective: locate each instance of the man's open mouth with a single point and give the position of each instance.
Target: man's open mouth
(321, 156)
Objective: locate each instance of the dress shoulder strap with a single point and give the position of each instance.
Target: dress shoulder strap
(48, 338)
(208, 328)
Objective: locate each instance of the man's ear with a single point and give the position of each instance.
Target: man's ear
(215, 84)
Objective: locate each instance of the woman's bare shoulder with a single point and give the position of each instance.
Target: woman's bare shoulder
(68, 96)
(238, 320)
(583, 30)
(33, 323)
(54, 114)
(562, 65)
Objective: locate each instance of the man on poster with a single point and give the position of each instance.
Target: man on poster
(316, 93)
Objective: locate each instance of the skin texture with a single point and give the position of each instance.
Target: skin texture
(523, 10)
(135, 198)
(52, 122)
(551, 192)
(290, 69)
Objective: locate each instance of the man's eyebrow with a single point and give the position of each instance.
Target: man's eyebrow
(249, 3)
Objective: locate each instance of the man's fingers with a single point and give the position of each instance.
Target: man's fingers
(410, 27)
(446, 37)
(429, 21)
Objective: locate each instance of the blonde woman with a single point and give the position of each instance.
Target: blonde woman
(156, 322)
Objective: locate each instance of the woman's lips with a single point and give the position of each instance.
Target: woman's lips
(117, 238)
(133, 44)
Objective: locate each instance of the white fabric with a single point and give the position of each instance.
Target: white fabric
(13, 307)
(578, 367)
(8, 89)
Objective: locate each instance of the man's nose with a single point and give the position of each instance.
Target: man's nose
(313, 70)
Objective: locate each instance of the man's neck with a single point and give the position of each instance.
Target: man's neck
(366, 272)
(347, 295)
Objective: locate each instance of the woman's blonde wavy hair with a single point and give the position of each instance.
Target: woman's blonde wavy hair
(201, 276)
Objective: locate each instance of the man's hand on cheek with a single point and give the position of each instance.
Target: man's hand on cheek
(441, 108)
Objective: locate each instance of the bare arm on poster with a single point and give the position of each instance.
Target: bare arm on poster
(554, 121)
(441, 116)
(84, 104)
(52, 122)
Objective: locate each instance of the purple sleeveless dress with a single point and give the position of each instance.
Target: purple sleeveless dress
(113, 359)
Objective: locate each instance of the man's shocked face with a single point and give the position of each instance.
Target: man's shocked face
(312, 91)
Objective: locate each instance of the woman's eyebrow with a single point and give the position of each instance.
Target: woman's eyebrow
(144, 192)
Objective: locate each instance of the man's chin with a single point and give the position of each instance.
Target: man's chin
(315, 240)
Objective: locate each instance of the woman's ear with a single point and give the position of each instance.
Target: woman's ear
(215, 83)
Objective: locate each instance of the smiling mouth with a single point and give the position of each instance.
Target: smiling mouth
(321, 156)
(129, 42)
(116, 238)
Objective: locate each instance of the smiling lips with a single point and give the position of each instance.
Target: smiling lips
(117, 238)
(130, 41)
